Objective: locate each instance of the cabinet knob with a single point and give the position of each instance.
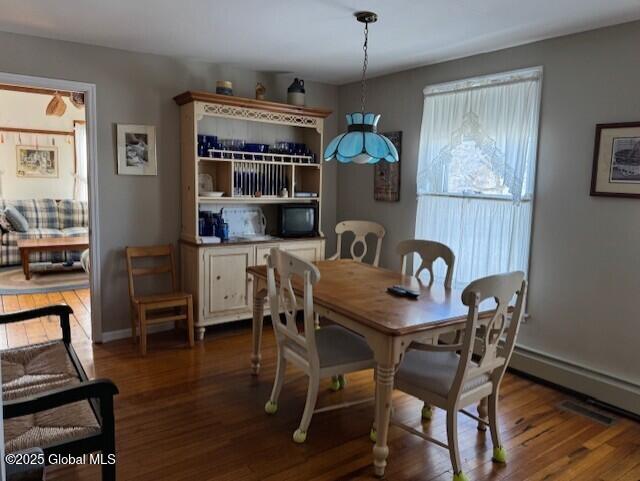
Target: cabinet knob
(217, 278)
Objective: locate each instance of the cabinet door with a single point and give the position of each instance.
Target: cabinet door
(226, 284)
(311, 251)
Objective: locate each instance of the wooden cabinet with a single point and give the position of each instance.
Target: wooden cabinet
(217, 276)
(243, 177)
(226, 287)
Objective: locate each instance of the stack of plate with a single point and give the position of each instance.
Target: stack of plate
(205, 186)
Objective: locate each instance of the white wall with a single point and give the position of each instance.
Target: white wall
(585, 263)
(27, 111)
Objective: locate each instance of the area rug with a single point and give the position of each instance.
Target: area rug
(44, 278)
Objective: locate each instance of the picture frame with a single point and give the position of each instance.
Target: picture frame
(386, 175)
(616, 160)
(136, 146)
(34, 161)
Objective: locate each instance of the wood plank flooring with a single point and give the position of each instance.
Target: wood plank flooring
(197, 414)
(44, 328)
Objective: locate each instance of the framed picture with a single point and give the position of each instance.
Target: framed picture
(136, 150)
(37, 161)
(616, 160)
(386, 175)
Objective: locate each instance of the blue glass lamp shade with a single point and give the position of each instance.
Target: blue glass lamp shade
(361, 144)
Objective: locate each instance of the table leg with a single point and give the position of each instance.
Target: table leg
(259, 296)
(25, 264)
(384, 390)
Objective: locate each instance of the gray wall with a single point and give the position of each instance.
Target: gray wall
(585, 258)
(138, 89)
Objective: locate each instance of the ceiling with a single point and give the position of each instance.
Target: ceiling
(317, 39)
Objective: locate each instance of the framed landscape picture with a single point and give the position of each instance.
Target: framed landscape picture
(136, 150)
(616, 160)
(386, 175)
(37, 161)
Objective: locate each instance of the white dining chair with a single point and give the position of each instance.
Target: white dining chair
(446, 375)
(360, 229)
(429, 251)
(320, 353)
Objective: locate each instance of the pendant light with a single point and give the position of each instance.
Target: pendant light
(361, 143)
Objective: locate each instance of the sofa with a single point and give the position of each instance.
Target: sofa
(47, 218)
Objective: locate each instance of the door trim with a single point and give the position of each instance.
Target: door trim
(89, 91)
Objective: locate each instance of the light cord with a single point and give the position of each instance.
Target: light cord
(363, 83)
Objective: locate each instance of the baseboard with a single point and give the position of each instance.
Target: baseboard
(597, 385)
(125, 333)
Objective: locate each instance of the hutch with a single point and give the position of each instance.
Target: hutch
(215, 274)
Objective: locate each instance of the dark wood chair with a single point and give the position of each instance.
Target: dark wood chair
(50, 403)
(157, 308)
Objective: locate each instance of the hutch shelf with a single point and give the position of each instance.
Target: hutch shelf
(216, 273)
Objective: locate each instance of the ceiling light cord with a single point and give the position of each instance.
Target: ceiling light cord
(363, 82)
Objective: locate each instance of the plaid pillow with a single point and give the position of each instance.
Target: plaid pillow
(40, 213)
(73, 213)
(5, 225)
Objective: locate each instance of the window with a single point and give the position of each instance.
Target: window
(80, 189)
(476, 171)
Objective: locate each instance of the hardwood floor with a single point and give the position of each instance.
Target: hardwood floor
(197, 414)
(43, 329)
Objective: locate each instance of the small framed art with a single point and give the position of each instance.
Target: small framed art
(37, 161)
(386, 175)
(616, 160)
(136, 150)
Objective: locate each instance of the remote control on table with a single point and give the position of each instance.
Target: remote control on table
(403, 291)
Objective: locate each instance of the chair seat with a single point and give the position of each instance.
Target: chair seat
(434, 372)
(167, 297)
(337, 345)
(31, 370)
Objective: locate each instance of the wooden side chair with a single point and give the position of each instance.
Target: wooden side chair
(429, 252)
(360, 228)
(327, 352)
(448, 377)
(157, 308)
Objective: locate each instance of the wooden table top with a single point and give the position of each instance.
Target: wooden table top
(62, 242)
(359, 291)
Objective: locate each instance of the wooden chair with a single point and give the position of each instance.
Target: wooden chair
(170, 306)
(327, 352)
(360, 228)
(448, 377)
(429, 252)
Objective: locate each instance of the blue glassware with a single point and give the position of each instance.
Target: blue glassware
(222, 231)
(361, 144)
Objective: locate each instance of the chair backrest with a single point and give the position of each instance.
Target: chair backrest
(428, 251)
(282, 298)
(360, 229)
(163, 252)
(487, 335)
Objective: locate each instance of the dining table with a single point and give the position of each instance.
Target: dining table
(354, 295)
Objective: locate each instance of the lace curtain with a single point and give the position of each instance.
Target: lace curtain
(476, 171)
(80, 188)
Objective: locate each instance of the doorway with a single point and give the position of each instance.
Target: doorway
(48, 173)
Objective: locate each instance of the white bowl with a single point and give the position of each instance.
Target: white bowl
(211, 194)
